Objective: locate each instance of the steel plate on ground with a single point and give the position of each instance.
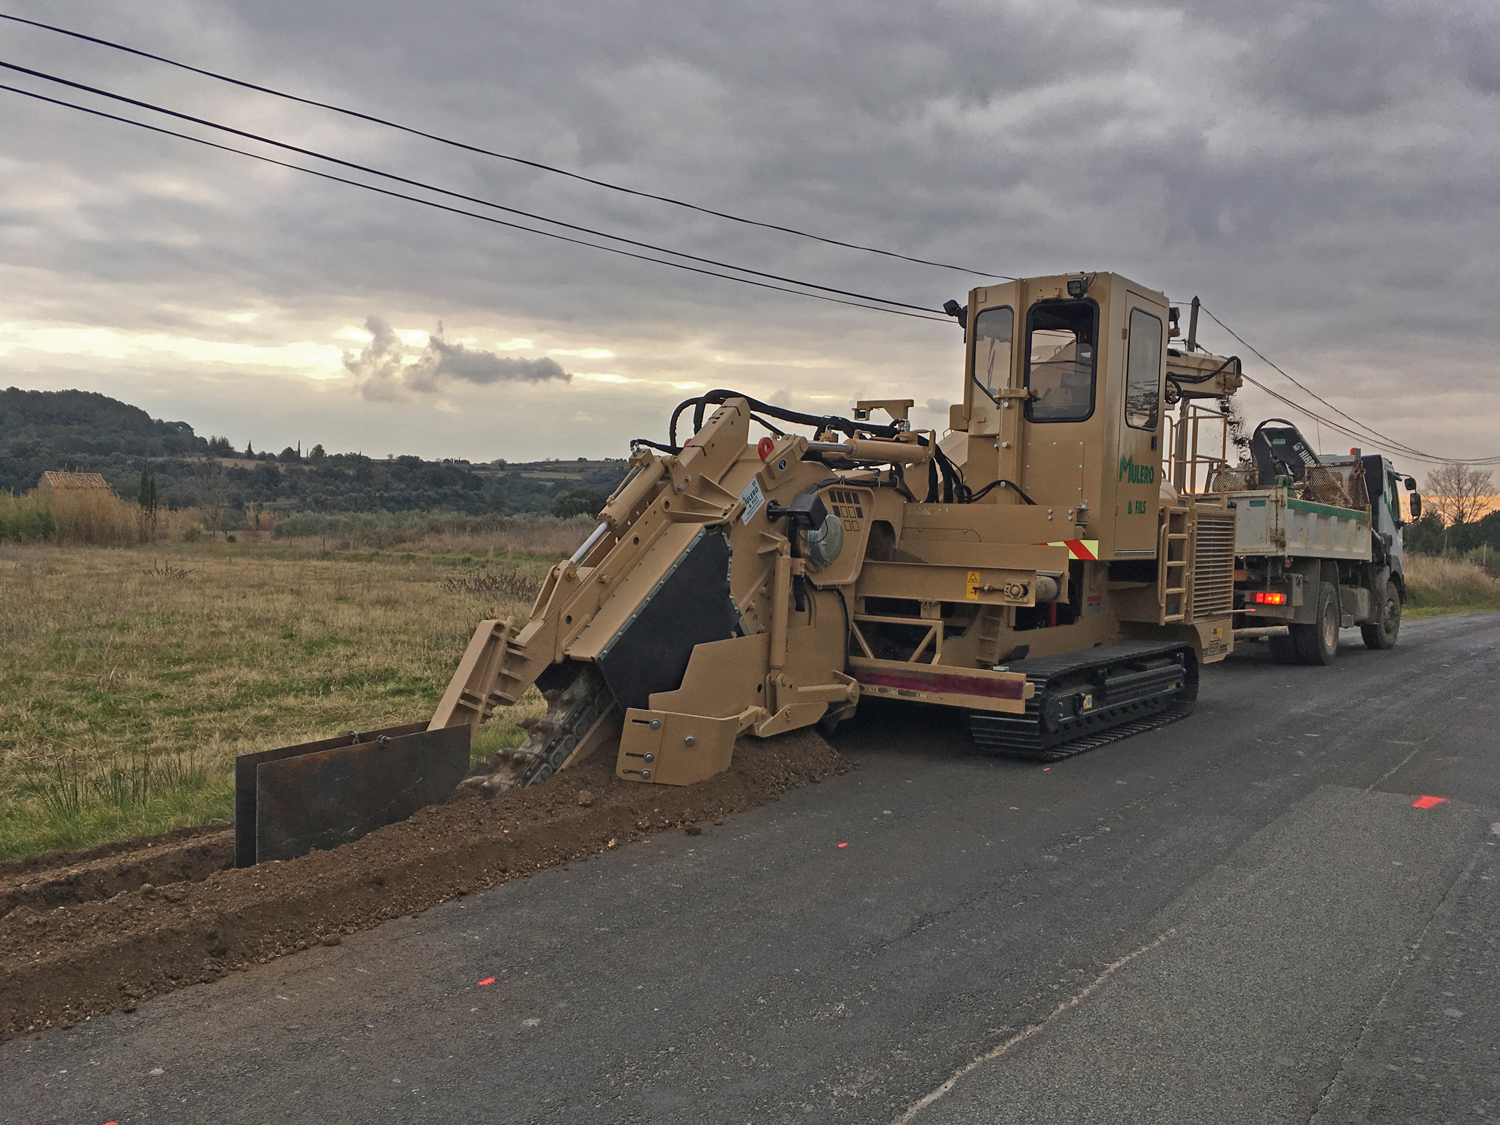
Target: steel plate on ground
(323, 794)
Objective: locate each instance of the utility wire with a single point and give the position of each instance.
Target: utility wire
(1304, 387)
(490, 152)
(459, 210)
(445, 191)
(1346, 430)
(1362, 432)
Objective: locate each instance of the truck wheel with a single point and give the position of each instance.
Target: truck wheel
(1318, 643)
(1283, 649)
(1382, 633)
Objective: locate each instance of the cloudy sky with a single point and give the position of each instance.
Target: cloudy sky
(1325, 175)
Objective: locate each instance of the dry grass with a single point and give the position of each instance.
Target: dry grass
(435, 534)
(90, 515)
(94, 517)
(129, 679)
(542, 539)
(1435, 585)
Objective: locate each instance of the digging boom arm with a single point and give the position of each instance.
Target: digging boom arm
(661, 494)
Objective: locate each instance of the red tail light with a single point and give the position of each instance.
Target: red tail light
(1263, 597)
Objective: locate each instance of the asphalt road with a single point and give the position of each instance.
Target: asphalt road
(1237, 918)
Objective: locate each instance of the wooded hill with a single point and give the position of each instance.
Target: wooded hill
(84, 431)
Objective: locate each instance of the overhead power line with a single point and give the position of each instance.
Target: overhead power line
(458, 210)
(1356, 429)
(1393, 442)
(479, 150)
(1347, 431)
(1352, 427)
(368, 169)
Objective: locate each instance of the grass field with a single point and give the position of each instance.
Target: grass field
(1436, 586)
(130, 679)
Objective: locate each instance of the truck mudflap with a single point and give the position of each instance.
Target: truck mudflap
(1083, 700)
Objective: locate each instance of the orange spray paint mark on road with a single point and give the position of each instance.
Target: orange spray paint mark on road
(1427, 802)
(486, 980)
(843, 845)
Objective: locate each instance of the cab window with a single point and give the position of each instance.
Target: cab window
(994, 331)
(1143, 371)
(1061, 351)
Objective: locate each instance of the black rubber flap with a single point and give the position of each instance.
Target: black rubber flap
(323, 794)
(690, 607)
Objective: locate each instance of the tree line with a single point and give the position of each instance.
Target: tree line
(167, 466)
(1456, 519)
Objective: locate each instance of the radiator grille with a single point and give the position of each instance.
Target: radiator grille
(1213, 569)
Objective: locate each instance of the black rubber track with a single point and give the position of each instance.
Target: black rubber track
(1130, 687)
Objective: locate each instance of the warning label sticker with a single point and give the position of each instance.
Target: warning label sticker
(754, 500)
(972, 586)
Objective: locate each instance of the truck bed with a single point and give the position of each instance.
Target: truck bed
(1274, 522)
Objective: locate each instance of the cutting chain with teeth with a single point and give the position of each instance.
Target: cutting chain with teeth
(571, 714)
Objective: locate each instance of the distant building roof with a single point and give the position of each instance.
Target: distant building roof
(52, 482)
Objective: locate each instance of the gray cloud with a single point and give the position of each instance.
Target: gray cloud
(379, 367)
(384, 375)
(1326, 175)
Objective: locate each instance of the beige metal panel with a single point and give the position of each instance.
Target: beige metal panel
(673, 749)
(930, 582)
(987, 523)
(630, 594)
(722, 679)
(1061, 462)
(856, 509)
(1212, 639)
(1015, 556)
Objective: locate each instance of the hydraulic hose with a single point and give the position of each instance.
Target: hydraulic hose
(819, 422)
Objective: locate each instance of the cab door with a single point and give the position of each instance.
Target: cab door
(1139, 410)
(992, 404)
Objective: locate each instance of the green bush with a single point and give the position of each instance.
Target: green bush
(26, 519)
(578, 502)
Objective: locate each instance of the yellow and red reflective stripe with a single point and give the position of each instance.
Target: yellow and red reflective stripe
(1077, 548)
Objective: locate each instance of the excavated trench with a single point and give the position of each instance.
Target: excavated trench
(54, 879)
(90, 932)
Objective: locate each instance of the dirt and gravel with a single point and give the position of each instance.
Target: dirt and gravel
(52, 879)
(86, 933)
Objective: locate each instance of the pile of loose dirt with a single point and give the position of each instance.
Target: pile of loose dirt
(82, 958)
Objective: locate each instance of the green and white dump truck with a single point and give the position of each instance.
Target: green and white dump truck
(1317, 544)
